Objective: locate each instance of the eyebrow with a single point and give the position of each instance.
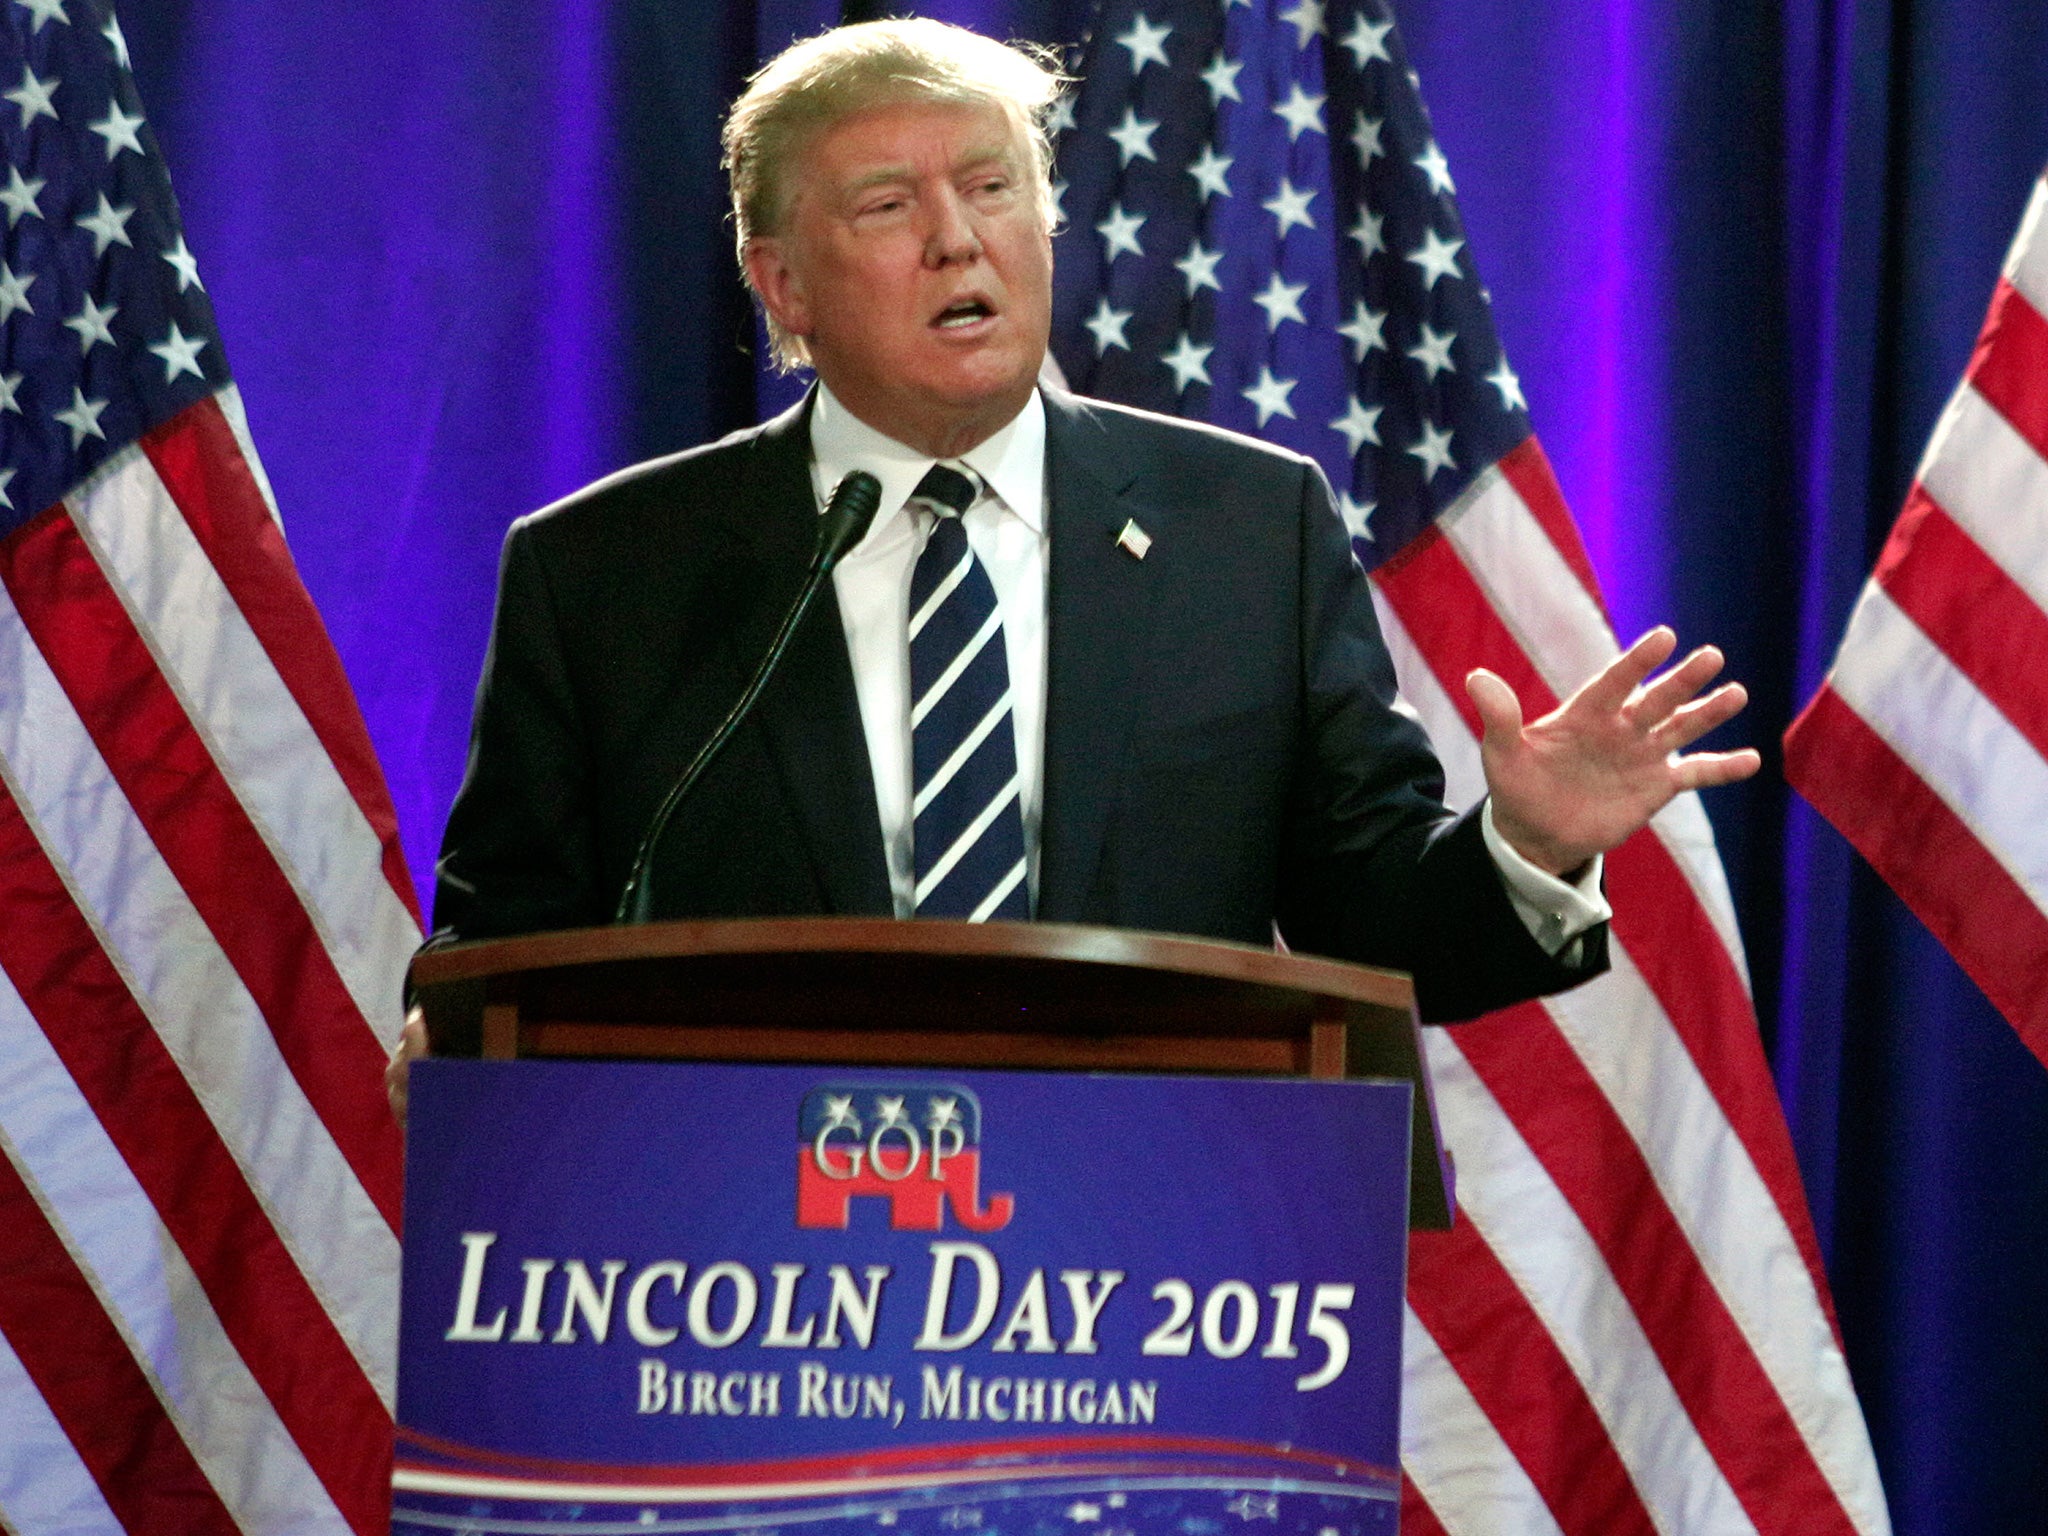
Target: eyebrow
(973, 160)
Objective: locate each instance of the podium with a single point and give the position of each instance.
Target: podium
(874, 992)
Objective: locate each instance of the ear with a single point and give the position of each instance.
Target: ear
(779, 284)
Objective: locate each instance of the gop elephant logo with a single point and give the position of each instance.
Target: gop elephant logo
(919, 1148)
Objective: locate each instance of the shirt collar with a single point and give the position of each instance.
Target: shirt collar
(1011, 461)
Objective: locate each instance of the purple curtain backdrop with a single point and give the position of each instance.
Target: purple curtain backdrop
(469, 256)
(409, 214)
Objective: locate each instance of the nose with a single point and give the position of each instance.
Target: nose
(952, 238)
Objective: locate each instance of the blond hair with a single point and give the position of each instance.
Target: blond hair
(815, 84)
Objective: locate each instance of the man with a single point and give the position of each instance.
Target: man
(1101, 667)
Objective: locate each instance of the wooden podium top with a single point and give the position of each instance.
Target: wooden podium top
(884, 992)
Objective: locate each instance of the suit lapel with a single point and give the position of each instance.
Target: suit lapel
(1100, 601)
(809, 713)
(1099, 622)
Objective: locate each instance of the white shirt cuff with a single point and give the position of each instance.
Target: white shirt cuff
(1556, 912)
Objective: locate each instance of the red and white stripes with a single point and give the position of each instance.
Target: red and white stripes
(1629, 1328)
(207, 926)
(1927, 745)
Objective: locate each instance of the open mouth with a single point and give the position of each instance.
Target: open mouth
(962, 313)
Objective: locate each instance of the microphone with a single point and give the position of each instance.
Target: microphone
(840, 527)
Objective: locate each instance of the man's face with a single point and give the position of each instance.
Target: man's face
(915, 261)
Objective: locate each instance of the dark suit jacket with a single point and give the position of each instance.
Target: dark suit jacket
(1220, 750)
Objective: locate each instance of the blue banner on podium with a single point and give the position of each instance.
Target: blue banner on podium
(767, 1300)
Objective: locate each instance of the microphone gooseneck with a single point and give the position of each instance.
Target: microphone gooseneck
(841, 526)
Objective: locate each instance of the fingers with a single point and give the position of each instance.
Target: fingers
(1661, 699)
(1688, 724)
(396, 1082)
(412, 1044)
(1500, 712)
(1706, 770)
(1611, 687)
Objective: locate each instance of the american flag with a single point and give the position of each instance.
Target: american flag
(1927, 745)
(1629, 1329)
(206, 914)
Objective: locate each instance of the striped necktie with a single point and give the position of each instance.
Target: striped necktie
(967, 826)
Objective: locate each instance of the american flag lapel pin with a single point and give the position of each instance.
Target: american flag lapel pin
(1134, 541)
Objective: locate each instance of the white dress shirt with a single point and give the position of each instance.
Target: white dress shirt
(1007, 532)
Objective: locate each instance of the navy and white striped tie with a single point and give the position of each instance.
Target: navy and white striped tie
(967, 825)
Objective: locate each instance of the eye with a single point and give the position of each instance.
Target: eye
(882, 206)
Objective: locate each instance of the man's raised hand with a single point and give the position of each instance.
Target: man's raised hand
(1581, 779)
